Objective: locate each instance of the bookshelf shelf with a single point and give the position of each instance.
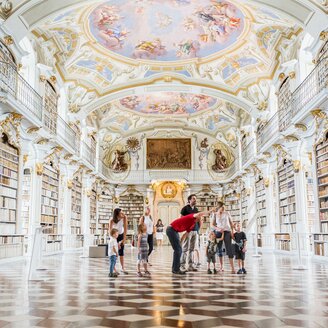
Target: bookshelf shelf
(261, 204)
(287, 201)
(93, 211)
(105, 212)
(49, 199)
(76, 204)
(132, 204)
(9, 168)
(206, 200)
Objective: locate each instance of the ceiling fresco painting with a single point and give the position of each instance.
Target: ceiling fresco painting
(168, 103)
(166, 30)
(108, 43)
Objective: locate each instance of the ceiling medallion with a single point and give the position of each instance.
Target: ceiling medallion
(133, 144)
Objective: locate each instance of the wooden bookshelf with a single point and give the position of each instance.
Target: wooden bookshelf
(26, 200)
(282, 242)
(232, 205)
(244, 208)
(310, 201)
(132, 204)
(93, 212)
(261, 211)
(105, 212)
(11, 246)
(320, 244)
(76, 204)
(9, 168)
(49, 199)
(287, 199)
(322, 182)
(206, 201)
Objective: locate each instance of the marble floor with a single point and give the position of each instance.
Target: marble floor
(77, 292)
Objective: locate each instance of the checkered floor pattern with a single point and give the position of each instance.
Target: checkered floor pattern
(77, 292)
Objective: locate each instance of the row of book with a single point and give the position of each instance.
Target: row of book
(8, 172)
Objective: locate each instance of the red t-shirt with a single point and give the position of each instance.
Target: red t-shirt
(185, 223)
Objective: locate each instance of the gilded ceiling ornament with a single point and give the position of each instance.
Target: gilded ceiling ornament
(116, 199)
(68, 156)
(292, 75)
(25, 158)
(147, 201)
(281, 76)
(39, 168)
(74, 108)
(296, 165)
(8, 40)
(291, 138)
(301, 126)
(266, 182)
(43, 78)
(53, 79)
(324, 34)
(32, 130)
(70, 183)
(133, 144)
(263, 105)
(267, 154)
(168, 79)
(5, 8)
(169, 189)
(318, 113)
(88, 192)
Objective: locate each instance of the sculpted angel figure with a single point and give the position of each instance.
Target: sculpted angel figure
(220, 161)
(119, 164)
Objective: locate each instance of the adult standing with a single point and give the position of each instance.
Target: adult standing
(221, 222)
(148, 221)
(120, 222)
(182, 224)
(190, 239)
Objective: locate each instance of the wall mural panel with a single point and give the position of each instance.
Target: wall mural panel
(168, 154)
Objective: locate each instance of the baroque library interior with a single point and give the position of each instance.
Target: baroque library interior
(124, 164)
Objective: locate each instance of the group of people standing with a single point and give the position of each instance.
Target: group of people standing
(185, 250)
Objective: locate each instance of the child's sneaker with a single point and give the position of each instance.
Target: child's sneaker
(244, 270)
(240, 271)
(198, 265)
(139, 274)
(214, 271)
(147, 273)
(209, 271)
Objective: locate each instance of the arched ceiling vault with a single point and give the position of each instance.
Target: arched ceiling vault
(126, 68)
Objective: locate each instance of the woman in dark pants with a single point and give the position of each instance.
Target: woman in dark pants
(221, 222)
(185, 223)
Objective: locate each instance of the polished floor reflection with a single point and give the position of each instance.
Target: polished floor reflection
(77, 292)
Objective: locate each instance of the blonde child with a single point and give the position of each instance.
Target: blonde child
(142, 249)
(211, 250)
(113, 252)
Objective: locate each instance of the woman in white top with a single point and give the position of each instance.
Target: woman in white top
(120, 222)
(148, 221)
(221, 222)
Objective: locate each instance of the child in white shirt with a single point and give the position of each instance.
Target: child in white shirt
(113, 252)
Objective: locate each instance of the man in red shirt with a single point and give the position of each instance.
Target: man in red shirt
(185, 223)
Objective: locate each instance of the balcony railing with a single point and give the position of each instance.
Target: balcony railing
(248, 152)
(88, 154)
(290, 104)
(268, 132)
(14, 84)
(314, 83)
(67, 135)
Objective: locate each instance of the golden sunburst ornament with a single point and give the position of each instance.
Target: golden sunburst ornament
(132, 144)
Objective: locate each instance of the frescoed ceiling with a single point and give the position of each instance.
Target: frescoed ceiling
(166, 30)
(108, 43)
(168, 103)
